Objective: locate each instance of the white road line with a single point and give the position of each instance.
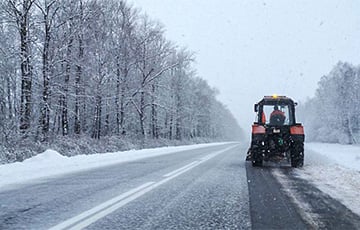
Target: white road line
(208, 157)
(180, 169)
(68, 223)
(88, 217)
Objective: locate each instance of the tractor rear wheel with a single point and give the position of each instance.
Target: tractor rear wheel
(256, 156)
(257, 163)
(297, 155)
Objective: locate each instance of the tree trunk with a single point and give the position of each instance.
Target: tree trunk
(26, 69)
(45, 111)
(171, 126)
(122, 110)
(107, 125)
(154, 126)
(9, 99)
(77, 128)
(64, 96)
(97, 118)
(349, 130)
(178, 114)
(118, 97)
(142, 115)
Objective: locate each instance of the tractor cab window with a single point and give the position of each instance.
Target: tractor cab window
(275, 115)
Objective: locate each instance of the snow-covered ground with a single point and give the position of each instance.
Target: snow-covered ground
(335, 170)
(51, 163)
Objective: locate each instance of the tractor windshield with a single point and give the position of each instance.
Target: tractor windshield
(276, 115)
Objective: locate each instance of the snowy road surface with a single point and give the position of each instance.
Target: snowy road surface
(211, 187)
(279, 199)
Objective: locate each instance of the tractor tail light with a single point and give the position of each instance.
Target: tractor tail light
(297, 130)
(258, 129)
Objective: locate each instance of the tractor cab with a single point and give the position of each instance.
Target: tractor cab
(275, 111)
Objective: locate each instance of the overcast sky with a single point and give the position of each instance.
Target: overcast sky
(248, 49)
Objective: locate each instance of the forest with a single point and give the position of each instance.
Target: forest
(86, 76)
(332, 115)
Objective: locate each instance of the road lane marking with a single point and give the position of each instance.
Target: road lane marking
(208, 157)
(92, 215)
(212, 155)
(195, 163)
(72, 221)
(180, 169)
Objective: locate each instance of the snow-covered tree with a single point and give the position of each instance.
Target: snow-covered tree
(99, 69)
(333, 114)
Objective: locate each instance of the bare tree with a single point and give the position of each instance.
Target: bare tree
(21, 11)
(124, 56)
(48, 11)
(151, 52)
(98, 68)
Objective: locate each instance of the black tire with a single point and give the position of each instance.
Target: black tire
(256, 157)
(297, 155)
(257, 163)
(248, 155)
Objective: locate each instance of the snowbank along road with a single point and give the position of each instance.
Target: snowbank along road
(204, 188)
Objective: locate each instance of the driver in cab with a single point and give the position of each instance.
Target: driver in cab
(277, 117)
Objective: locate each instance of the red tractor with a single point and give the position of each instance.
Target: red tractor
(275, 135)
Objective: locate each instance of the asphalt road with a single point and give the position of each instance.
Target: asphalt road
(207, 188)
(281, 200)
